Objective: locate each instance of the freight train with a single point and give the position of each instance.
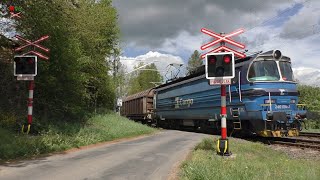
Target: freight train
(262, 100)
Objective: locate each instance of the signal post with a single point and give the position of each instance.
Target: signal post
(25, 69)
(220, 69)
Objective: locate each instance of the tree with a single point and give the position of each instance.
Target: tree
(117, 70)
(194, 62)
(310, 96)
(143, 79)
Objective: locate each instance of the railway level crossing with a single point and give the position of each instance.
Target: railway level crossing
(25, 65)
(220, 69)
(25, 68)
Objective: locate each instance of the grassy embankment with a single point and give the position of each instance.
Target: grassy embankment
(69, 135)
(250, 161)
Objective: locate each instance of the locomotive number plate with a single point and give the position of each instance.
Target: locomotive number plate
(282, 106)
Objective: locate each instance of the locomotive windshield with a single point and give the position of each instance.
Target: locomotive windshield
(264, 71)
(286, 71)
(267, 70)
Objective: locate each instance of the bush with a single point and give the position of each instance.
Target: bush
(206, 144)
(313, 124)
(7, 120)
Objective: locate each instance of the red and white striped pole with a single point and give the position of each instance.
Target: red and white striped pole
(223, 143)
(30, 102)
(223, 113)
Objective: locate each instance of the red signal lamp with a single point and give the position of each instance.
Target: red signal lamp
(30, 61)
(11, 8)
(227, 59)
(212, 60)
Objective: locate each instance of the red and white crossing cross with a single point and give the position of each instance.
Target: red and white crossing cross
(12, 15)
(223, 38)
(35, 43)
(225, 48)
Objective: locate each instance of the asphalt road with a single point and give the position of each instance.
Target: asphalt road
(151, 157)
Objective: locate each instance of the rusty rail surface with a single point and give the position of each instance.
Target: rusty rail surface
(303, 143)
(309, 134)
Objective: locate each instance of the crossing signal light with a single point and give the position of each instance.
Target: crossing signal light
(220, 65)
(25, 65)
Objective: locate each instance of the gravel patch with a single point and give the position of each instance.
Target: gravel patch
(296, 152)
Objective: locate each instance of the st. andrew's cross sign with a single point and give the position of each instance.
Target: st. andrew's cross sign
(35, 44)
(226, 38)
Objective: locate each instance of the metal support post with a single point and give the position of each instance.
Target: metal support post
(223, 142)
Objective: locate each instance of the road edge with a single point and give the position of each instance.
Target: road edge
(176, 170)
(81, 148)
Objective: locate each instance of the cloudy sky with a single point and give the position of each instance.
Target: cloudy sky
(168, 31)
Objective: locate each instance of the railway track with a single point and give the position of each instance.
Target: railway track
(302, 143)
(308, 134)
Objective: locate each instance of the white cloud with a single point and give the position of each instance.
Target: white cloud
(184, 42)
(304, 23)
(148, 23)
(307, 76)
(294, 38)
(160, 60)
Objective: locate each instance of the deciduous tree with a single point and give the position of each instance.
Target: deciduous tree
(194, 62)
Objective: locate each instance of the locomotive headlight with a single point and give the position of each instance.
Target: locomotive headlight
(267, 101)
(277, 54)
(292, 101)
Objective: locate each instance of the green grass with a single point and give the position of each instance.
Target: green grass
(311, 130)
(250, 161)
(69, 135)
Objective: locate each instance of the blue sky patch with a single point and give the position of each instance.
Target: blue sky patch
(283, 16)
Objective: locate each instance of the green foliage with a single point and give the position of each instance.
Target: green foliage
(313, 124)
(75, 81)
(311, 97)
(194, 62)
(8, 120)
(249, 161)
(68, 135)
(143, 79)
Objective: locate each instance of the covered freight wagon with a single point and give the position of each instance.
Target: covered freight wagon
(139, 106)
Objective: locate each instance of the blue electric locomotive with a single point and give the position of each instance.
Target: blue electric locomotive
(262, 99)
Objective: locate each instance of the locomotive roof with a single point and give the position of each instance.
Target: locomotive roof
(238, 62)
(201, 71)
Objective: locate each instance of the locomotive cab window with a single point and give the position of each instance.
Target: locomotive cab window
(286, 71)
(264, 71)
